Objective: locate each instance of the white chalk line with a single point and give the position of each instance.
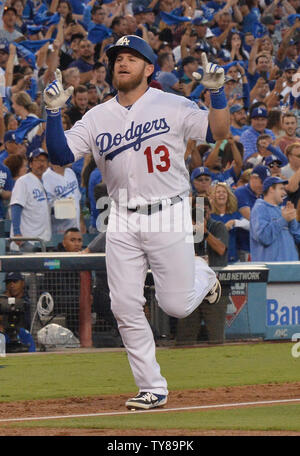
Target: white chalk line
(158, 410)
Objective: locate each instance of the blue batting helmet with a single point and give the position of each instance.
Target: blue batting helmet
(131, 42)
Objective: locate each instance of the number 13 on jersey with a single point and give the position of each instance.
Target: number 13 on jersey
(164, 158)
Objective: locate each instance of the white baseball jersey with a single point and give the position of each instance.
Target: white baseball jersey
(141, 149)
(59, 187)
(35, 219)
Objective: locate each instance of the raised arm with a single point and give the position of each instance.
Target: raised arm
(55, 98)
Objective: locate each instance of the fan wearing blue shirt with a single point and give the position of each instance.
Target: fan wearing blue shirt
(246, 197)
(238, 121)
(259, 120)
(274, 231)
(10, 144)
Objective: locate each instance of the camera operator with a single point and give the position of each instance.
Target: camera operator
(15, 315)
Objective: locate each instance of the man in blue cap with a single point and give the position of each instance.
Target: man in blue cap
(201, 179)
(18, 333)
(247, 196)
(200, 24)
(11, 146)
(259, 120)
(274, 164)
(274, 230)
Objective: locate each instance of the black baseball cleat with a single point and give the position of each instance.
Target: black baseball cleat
(214, 295)
(146, 401)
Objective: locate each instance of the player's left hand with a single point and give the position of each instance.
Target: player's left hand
(213, 75)
(55, 96)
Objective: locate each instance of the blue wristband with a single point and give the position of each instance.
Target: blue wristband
(54, 112)
(218, 99)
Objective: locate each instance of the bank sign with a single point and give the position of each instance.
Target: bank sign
(282, 310)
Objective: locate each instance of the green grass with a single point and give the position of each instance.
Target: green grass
(275, 418)
(44, 376)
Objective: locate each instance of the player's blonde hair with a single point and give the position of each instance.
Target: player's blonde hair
(231, 204)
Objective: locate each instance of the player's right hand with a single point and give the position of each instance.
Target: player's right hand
(55, 97)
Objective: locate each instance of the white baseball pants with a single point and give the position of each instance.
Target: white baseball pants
(181, 280)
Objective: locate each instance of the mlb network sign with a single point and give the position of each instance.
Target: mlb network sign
(283, 307)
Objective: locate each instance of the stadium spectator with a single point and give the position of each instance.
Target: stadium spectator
(213, 161)
(64, 286)
(246, 196)
(30, 213)
(85, 61)
(259, 66)
(70, 51)
(265, 148)
(274, 122)
(201, 179)
(61, 186)
(17, 165)
(118, 27)
(238, 121)
(11, 147)
(287, 51)
(259, 91)
(293, 155)
(166, 77)
(221, 31)
(31, 125)
(10, 120)
(9, 32)
(99, 80)
(93, 97)
(80, 102)
(273, 226)
(274, 164)
(259, 119)
(289, 127)
(234, 46)
(224, 208)
(72, 241)
(71, 77)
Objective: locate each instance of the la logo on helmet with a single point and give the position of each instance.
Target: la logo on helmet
(124, 41)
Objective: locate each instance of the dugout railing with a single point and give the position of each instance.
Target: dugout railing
(80, 292)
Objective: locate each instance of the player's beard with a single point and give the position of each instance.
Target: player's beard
(129, 84)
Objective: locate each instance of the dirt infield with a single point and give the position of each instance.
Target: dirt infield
(78, 405)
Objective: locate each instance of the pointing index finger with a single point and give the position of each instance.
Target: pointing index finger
(58, 75)
(204, 61)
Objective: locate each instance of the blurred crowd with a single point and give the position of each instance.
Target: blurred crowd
(257, 42)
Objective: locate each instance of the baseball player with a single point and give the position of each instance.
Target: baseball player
(138, 140)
